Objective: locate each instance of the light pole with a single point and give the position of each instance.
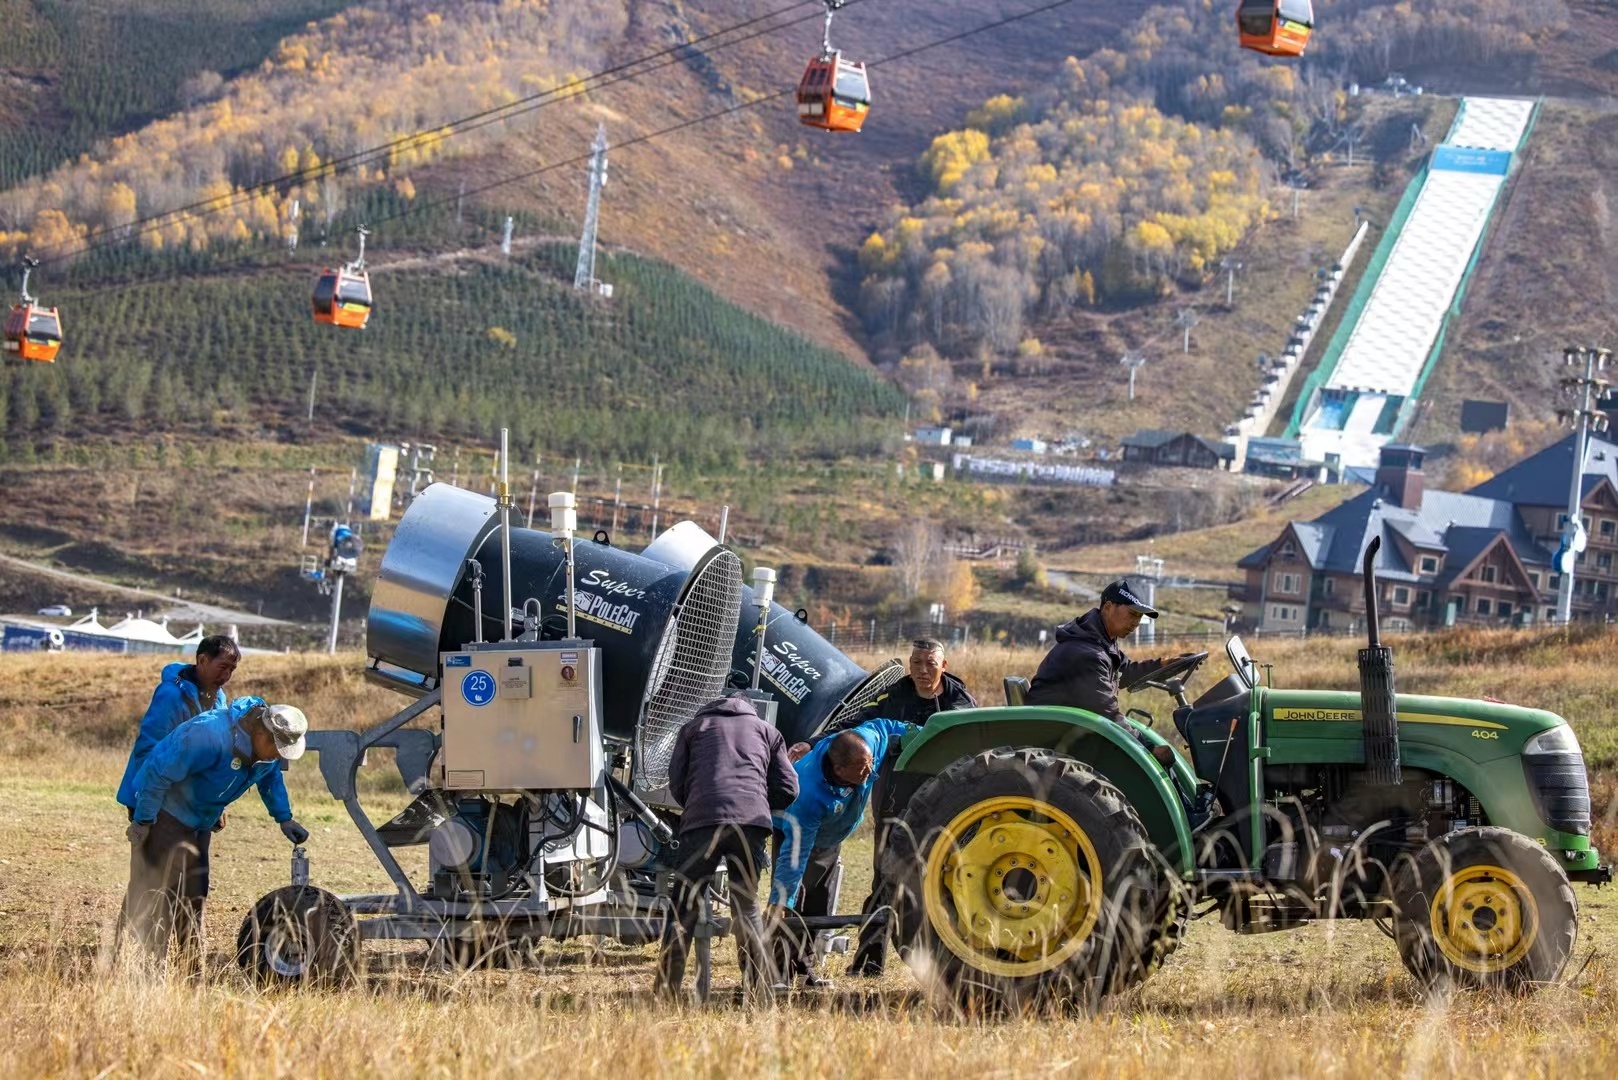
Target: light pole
(1186, 318)
(1584, 389)
(1132, 361)
(1148, 570)
(1230, 266)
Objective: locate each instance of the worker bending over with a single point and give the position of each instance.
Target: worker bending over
(188, 779)
(929, 688)
(729, 771)
(834, 785)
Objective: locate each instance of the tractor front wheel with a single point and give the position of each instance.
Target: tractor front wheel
(1484, 906)
(1023, 879)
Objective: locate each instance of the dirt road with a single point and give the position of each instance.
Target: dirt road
(174, 607)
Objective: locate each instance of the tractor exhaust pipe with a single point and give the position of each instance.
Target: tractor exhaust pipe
(1379, 717)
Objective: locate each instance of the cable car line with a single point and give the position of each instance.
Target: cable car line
(110, 236)
(422, 206)
(719, 114)
(116, 234)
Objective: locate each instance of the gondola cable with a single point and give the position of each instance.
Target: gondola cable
(114, 235)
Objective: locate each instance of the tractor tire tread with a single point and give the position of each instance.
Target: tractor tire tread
(1553, 893)
(1136, 877)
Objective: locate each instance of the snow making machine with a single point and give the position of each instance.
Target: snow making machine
(536, 745)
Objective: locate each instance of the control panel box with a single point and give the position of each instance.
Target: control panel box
(522, 716)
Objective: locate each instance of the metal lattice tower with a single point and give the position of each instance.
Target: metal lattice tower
(584, 277)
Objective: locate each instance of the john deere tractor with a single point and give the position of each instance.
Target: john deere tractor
(1047, 857)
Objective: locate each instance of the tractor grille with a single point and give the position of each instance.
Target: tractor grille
(692, 662)
(1561, 791)
(872, 687)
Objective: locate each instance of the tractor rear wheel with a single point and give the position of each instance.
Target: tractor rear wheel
(1163, 931)
(1484, 906)
(298, 934)
(1023, 880)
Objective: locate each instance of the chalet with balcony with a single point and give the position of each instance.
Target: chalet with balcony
(1482, 557)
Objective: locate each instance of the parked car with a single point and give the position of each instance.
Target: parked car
(61, 611)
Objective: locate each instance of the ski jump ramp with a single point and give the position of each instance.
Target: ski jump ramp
(1363, 402)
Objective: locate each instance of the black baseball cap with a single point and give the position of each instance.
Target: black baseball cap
(1119, 592)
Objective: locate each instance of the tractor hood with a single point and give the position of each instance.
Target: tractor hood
(1524, 766)
(1478, 730)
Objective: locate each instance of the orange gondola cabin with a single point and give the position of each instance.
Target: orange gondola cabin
(834, 94)
(33, 332)
(1275, 27)
(343, 297)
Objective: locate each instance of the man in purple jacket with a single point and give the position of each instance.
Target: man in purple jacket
(730, 772)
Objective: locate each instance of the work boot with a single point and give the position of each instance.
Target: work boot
(811, 981)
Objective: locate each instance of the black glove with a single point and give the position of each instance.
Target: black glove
(138, 831)
(293, 831)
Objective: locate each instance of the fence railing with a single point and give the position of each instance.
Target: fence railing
(894, 637)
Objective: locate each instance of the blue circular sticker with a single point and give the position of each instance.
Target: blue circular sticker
(478, 688)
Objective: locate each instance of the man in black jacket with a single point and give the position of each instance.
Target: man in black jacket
(729, 771)
(1086, 668)
(929, 689)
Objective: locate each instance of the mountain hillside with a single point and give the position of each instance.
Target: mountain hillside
(1046, 195)
(755, 203)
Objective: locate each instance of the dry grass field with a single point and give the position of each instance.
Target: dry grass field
(1323, 1001)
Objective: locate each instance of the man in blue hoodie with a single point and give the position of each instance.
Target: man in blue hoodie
(185, 692)
(188, 779)
(834, 785)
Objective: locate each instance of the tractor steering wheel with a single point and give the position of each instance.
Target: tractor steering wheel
(1172, 675)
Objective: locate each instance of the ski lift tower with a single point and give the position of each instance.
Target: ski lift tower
(585, 276)
(342, 558)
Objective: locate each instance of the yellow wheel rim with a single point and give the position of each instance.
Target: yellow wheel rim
(1484, 919)
(1013, 886)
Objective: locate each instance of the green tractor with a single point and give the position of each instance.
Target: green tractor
(1047, 858)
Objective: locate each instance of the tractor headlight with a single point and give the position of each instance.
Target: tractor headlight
(1558, 740)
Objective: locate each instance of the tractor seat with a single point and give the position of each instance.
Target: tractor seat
(1016, 689)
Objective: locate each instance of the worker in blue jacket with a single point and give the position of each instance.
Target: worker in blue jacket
(834, 785)
(188, 779)
(185, 692)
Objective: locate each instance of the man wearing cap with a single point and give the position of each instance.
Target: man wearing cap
(188, 779)
(1086, 668)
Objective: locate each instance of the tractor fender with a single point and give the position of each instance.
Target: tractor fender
(1106, 747)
